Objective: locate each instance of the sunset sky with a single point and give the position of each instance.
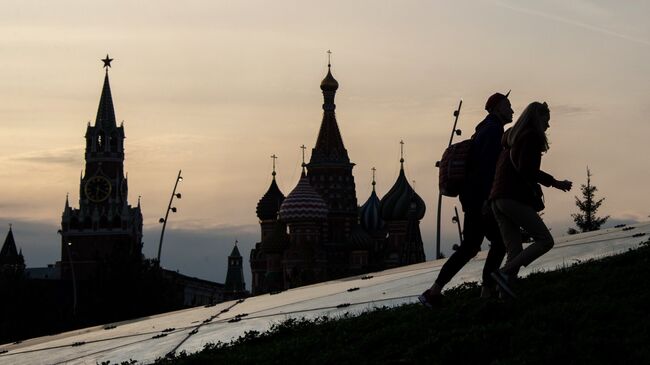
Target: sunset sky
(216, 87)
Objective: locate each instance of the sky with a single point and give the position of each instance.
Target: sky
(216, 87)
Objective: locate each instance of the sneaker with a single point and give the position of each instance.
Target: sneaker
(428, 299)
(503, 283)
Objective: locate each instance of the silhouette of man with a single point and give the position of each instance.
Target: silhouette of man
(479, 221)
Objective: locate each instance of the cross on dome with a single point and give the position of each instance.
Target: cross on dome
(274, 157)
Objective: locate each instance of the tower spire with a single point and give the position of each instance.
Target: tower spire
(105, 111)
(373, 178)
(401, 153)
(329, 145)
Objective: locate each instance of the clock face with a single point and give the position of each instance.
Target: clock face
(98, 188)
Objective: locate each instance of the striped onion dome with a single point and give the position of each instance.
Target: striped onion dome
(303, 204)
(369, 215)
(401, 199)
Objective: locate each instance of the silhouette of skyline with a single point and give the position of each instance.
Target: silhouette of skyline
(220, 88)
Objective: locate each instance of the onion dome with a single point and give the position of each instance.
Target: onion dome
(268, 206)
(329, 83)
(369, 213)
(359, 239)
(401, 199)
(303, 204)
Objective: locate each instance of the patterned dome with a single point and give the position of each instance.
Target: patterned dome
(396, 204)
(303, 204)
(329, 83)
(369, 214)
(268, 206)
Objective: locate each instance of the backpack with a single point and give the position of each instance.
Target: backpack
(453, 168)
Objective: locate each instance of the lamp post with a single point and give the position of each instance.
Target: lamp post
(74, 280)
(169, 208)
(457, 132)
(456, 220)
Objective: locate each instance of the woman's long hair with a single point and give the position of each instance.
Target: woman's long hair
(531, 120)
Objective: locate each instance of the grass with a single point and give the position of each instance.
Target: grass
(596, 312)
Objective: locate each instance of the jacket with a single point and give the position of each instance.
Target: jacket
(518, 172)
(484, 153)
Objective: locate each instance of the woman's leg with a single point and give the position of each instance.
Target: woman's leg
(523, 216)
(510, 232)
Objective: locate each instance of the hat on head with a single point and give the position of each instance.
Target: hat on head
(494, 100)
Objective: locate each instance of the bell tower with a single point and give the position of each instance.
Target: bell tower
(105, 229)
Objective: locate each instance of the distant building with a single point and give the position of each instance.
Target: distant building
(329, 236)
(12, 262)
(51, 272)
(194, 291)
(235, 287)
(105, 231)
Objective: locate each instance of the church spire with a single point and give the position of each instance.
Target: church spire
(106, 113)
(9, 253)
(329, 145)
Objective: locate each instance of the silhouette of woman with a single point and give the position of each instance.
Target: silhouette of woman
(516, 195)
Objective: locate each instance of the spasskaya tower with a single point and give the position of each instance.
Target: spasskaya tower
(105, 231)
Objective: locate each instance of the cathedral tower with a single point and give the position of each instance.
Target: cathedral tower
(330, 170)
(402, 209)
(266, 257)
(105, 229)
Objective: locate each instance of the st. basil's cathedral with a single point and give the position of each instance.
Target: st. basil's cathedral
(318, 232)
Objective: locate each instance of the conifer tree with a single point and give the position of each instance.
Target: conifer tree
(586, 219)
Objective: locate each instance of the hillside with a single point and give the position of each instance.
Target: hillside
(593, 312)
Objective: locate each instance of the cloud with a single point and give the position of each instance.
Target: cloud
(570, 110)
(593, 28)
(60, 156)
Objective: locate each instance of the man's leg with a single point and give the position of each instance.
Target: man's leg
(471, 245)
(497, 249)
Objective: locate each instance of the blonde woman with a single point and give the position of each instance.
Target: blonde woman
(516, 195)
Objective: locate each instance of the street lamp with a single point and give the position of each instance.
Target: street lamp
(457, 132)
(455, 219)
(74, 278)
(169, 208)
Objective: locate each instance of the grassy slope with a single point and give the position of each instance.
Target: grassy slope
(597, 312)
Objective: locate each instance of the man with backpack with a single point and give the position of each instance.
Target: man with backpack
(479, 221)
